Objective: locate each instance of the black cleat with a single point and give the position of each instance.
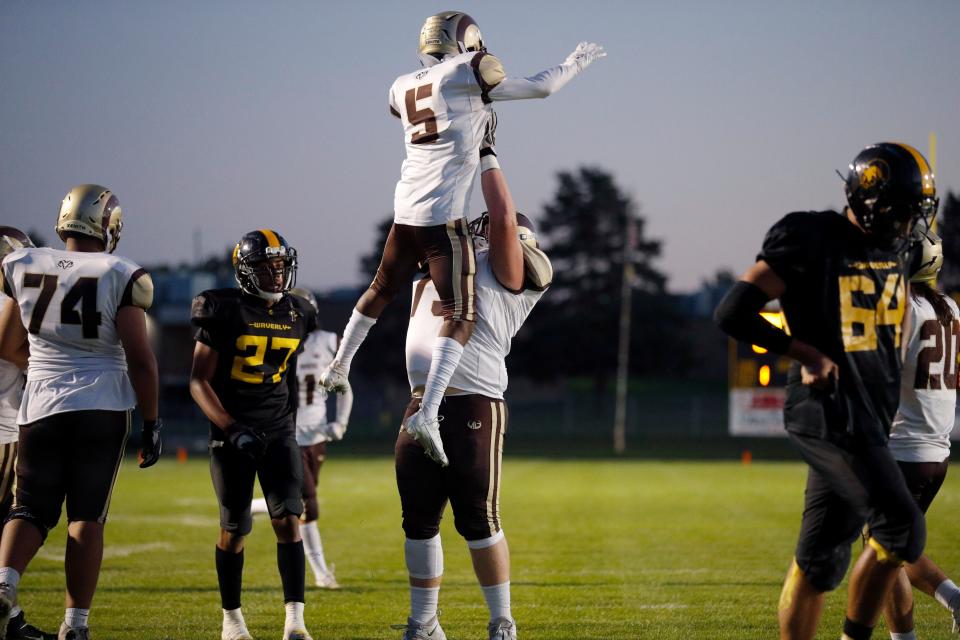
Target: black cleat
(19, 629)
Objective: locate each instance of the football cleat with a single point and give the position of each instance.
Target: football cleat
(235, 631)
(426, 432)
(413, 630)
(296, 634)
(502, 629)
(80, 633)
(19, 629)
(326, 579)
(334, 377)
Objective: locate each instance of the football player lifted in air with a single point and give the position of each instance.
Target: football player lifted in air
(444, 108)
(314, 431)
(11, 391)
(512, 274)
(920, 436)
(841, 281)
(246, 339)
(80, 314)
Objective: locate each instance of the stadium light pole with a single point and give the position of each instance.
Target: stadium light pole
(623, 344)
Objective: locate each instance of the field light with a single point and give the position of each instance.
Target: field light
(763, 376)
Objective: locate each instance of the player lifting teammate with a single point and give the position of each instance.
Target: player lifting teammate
(246, 339)
(512, 274)
(81, 316)
(841, 281)
(445, 109)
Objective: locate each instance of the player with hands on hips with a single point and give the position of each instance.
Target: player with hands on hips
(444, 108)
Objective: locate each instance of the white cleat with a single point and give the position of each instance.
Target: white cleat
(327, 580)
(296, 634)
(334, 377)
(502, 629)
(235, 631)
(66, 633)
(416, 631)
(427, 434)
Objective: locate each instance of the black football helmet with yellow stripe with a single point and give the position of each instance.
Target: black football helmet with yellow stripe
(264, 264)
(889, 187)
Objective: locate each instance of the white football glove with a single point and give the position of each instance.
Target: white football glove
(488, 153)
(585, 54)
(334, 431)
(427, 434)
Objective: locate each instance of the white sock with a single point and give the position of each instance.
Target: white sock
(258, 505)
(909, 635)
(498, 600)
(353, 336)
(313, 548)
(294, 620)
(446, 357)
(10, 577)
(946, 594)
(423, 603)
(15, 611)
(76, 618)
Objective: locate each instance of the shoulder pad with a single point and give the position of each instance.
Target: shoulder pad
(538, 271)
(139, 290)
(491, 70)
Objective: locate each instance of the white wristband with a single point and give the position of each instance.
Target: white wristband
(488, 162)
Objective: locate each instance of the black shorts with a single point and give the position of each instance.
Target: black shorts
(924, 480)
(472, 431)
(280, 471)
(847, 487)
(447, 250)
(72, 456)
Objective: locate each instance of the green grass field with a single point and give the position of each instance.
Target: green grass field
(601, 549)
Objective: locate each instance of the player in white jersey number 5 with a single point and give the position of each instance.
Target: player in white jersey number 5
(920, 435)
(81, 315)
(445, 108)
(512, 274)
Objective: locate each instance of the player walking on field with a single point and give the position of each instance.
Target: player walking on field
(81, 310)
(314, 431)
(445, 108)
(246, 340)
(841, 281)
(512, 274)
(920, 436)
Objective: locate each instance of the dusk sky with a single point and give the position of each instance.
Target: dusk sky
(219, 117)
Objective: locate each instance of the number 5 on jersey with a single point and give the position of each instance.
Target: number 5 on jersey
(425, 116)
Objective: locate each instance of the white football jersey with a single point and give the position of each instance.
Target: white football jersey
(482, 369)
(928, 387)
(11, 390)
(319, 350)
(68, 303)
(444, 115)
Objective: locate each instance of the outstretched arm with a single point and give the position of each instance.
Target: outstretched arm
(542, 84)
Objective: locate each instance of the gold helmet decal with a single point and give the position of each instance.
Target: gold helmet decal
(874, 174)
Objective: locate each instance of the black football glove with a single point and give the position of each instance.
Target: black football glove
(246, 441)
(150, 443)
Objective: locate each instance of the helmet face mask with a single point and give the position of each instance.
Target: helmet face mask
(526, 231)
(450, 33)
(890, 187)
(264, 264)
(91, 210)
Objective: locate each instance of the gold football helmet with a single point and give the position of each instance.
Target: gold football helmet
(12, 239)
(450, 33)
(926, 256)
(91, 210)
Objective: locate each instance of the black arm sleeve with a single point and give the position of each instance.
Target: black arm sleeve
(738, 315)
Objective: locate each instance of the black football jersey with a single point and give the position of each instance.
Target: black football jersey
(257, 347)
(845, 297)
